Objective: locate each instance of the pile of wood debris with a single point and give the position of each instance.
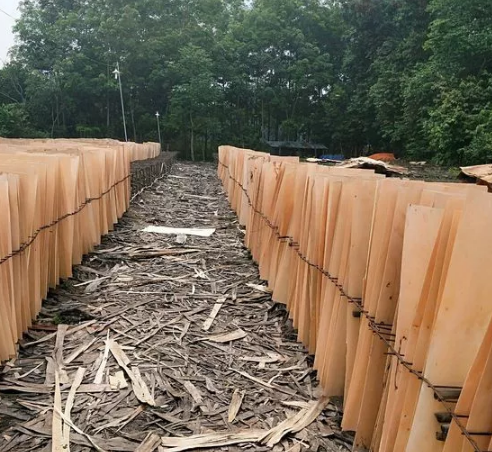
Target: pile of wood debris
(379, 166)
(166, 342)
(479, 174)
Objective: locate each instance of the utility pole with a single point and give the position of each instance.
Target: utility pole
(157, 115)
(117, 76)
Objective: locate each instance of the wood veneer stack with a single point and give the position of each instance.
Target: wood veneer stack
(388, 283)
(57, 197)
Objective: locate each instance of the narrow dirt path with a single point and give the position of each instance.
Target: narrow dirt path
(152, 296)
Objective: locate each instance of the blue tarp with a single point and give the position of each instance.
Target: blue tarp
(339, 157)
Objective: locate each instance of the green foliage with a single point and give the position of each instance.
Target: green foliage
(14, 122)
(195, 96)
(408, 76)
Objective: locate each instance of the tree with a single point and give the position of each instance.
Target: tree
(14, 122)
(409, 76)
(195, 96)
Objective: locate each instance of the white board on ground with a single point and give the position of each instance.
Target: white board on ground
(179, 231)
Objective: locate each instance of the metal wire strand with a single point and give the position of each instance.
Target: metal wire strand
(164, 167)
(38, 231)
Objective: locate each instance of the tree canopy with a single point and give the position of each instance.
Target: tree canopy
(412, 77)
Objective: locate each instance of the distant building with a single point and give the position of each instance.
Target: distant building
(292, 148)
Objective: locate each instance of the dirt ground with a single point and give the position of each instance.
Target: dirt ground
(431, 173)
(167, 335)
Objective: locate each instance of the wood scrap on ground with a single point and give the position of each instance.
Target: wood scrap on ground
(148, 353)
(210, 440)
(479, 174)
(378, 165)
(200, 232)
(235, 406)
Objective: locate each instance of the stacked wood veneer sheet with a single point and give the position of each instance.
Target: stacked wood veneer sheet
(388, 283)
(57, 197)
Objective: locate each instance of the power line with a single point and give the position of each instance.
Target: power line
(92, 59)
(7, 14)
(100, 62)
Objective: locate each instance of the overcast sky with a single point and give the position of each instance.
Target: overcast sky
(7, 8)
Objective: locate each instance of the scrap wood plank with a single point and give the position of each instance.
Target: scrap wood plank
(235, 406)
(151, 253)
(177, 231)
(117, 381)
(150, 443)
(196, 396)
(114, 444)
(210, 440)
(78, 430)
(32, 389)
(53, 335)
(296, 423)
(55, 362)
(122, 421)
(92, 389)
(105, 356)
(58, 444)
(226, 337)
(139, 386)
(42, 389)
(83, 348)
(217, 307)
(264, 383)
(69, 405)
(194, 392)
(262, 361)
(259, 288)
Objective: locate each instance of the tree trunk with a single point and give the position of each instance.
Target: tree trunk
(133, 125)
(192, 139)
(206, 145)
(262, 119)
(107, 105)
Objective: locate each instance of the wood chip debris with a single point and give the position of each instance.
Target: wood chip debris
(210, 440)
(293, 424)
(139, 386)
(173, 347)
(149, 444)
(215, 310)
(259, 288)
(235, 406)
(226, 337)
(117, 381)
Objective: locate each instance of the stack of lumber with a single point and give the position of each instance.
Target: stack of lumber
(144, 151)
(137, 151)
(387, 282)
(57, 197)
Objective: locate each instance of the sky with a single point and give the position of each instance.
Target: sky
(8, 8)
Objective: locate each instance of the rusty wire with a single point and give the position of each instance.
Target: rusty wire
(373, 325)
(38, 231)
(163, 168)
(163, 173)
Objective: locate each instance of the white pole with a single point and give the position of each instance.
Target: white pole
(157, 115)
(117, 75)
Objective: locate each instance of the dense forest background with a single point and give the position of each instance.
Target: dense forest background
(412, 77)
